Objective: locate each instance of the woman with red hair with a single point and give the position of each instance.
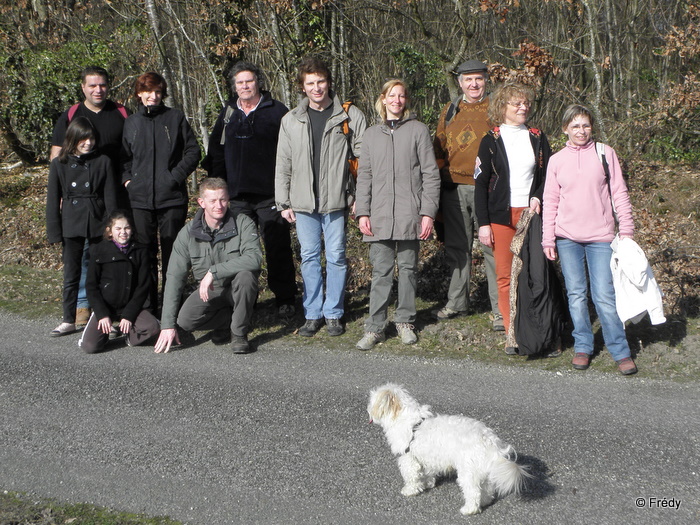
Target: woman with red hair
(159, 152)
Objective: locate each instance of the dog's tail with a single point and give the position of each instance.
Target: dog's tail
(507, 476)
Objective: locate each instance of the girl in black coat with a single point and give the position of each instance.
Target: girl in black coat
(118, 285)
(81, 191)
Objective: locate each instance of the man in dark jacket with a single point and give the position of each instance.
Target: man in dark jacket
(222, 250)
(242, 149)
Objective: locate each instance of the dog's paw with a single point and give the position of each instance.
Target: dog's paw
(429, 483)
(411, 490)
(470, 509)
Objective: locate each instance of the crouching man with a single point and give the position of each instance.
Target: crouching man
(223, 251)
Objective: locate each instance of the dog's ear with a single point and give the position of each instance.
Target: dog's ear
(386, 404)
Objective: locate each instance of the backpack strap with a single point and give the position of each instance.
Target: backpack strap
(74, 108)
(346, 108)
(600, 150)
(122, 110)
(227, 119)
(453, 109)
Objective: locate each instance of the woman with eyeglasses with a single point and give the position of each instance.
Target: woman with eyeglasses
(509, 178)
(159, 152)
(582, 205)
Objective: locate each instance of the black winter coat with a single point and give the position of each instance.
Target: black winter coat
(159, 151)
(247, 157)
(80, 194)
(541, 307)
(492, 176)
(118, 283)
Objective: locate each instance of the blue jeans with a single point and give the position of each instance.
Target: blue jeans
(82, 294)
(310, 227)
(574, 257)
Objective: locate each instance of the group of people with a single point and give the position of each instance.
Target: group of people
(484, 171)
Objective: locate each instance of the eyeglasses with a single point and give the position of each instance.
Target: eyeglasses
(522, 104)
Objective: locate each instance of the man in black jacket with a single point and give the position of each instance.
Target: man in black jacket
(242, 150)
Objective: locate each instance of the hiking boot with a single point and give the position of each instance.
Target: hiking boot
(334, 327)
(445, 313)
(286, 311)
(239, 344)
(627, 366)
(406, 333)
(370, 339)
(82, 316)
(581, 361)
(221, 336)
(63, 329)
(311, 326)
(497, 324)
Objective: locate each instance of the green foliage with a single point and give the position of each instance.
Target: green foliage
(665, 148)
(424, 75)
(40, 83)
(17, 508)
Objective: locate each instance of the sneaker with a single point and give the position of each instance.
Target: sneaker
(445, 313)
(82, 316)
(239, 344)
(406, 333)
(370, 339)
(581, 361)
(311, 326)
(627, 366)
(286, 310)
(497, 324)
(63, 329)
(334, 327)
(221, 336)
(512, 350)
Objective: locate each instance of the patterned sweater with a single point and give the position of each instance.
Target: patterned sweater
(457, 145)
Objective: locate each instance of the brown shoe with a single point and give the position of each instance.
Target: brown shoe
(82, 316)
(627, 366)
(581, 361)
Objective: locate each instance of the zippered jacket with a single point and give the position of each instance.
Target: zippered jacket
(234, 248)
(294, 178)
(398, 180)
(159, 152)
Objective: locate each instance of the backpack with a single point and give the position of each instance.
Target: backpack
(74, 108)
(353, 161)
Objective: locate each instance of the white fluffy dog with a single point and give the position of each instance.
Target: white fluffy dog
(429, 446)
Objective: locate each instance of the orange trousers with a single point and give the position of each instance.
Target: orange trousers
(502, 237)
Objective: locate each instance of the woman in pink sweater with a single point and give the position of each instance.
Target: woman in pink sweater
(579, 224)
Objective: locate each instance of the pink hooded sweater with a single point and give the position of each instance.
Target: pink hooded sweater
(577, 200)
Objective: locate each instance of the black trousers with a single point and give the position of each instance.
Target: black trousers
(72, 266)
(149, 225)
(274, 230)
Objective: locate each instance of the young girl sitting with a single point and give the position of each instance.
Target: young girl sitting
(81, 191)
(118, 284)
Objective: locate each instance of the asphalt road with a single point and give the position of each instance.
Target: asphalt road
(281, 436)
